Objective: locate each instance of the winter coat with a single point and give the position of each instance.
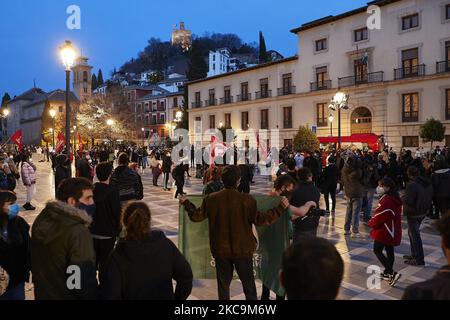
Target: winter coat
(441, 187)
(304, 192)
(28, 173)
(106, 221)
(61, 239)
(128, 182)
(351, 177)
(84, 169)
(386, 222)
(132, 274)
(329, 178)
(15, 252)
(231, 215)
(437, 288)
(417, 198)
(166, 164)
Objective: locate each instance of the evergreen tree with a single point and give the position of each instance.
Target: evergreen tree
(5, 99)
(100, 78)
(198, 68)
(94, 82)
(262, 49)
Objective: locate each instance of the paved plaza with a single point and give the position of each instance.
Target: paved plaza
(357, 253)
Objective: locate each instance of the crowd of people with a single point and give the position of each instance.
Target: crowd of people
(96, 241)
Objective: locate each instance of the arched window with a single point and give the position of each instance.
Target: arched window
(85, 76)
(361, 121)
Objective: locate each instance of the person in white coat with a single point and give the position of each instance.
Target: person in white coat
(28, 171)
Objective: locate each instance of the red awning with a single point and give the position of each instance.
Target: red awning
(371, 139)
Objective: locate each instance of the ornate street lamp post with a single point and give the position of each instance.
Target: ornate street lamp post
(339, 102)
(331, 119)
(52, 113)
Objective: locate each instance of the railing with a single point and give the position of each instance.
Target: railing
(211, 102)
(196, 104)
(286, 91)
(372, 77)
(226, 100)
(412, 116)
(244, 97)
(263, 94)
(161, 108)
(287, 124)
(409, 72)
(264, 125)
(443, 66)
(321, 85)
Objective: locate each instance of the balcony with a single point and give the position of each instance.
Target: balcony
(372, 77)
(211, 102)
(287, 124)
(286, 91)
(411, 116)
(161, 108)
(443, 66)
(321, 85)
(197, 104)
(244, 97)
(226, 100)
(263, 94)
(409, 72)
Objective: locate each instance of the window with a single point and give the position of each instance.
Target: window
(162, 105)
(212, 97)
(321, 77)
(411, 21)
(322, 115)
(410, 107)
(411, 142)
(361, 34)
(244, 121)
(360, 71)
(227, 120)
(447, 53)
(197, 99)
(447, 12)
(212, 122)
(447, 141)
(287, 142)
(162, 118)
(287, 117)
(153, 119)
(60, 109)
(175, 102)
(410, 62)
(321, 44)
(85, 90)
(85, 76)
(264, 86)
(287, 83)
(265, 119)
(447, 104)
(129, 96)
(227, 94)
(198, 124)
(244, 91)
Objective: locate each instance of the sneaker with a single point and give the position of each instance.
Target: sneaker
(385, 276)
(414, 262)
(394, 279)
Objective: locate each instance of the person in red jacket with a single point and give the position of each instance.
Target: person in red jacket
(386, 227)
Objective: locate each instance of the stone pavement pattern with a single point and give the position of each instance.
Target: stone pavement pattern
(357, 253)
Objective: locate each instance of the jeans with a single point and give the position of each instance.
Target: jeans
(244, 268)
(415, 239)
(368, 204)
(166, 180)
(388, 260)
(300, 235)
(16, 293)
(180, 186)
(31, 190)
(327, 194)
(103, 249)
(144, 162)
(352, 214)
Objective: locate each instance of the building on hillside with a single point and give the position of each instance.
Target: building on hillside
(182, 37)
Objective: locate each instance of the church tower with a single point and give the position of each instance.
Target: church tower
(82, 79)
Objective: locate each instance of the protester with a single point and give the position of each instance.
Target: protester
(246, 178)
(386, 227)
(10, 170)
(351, 177)
(231, 215)
(28, 172)
(127, 181)
(312, 270)
(328, 186)
(155, 165)
(437, 288)
(62, 169)
(14, 247)
(441, 187)
(132, 272)
(61, 245)
(105, 227)
(178, 175)
(166, 169)
(292, 169)
(85, 170)
(215, 183)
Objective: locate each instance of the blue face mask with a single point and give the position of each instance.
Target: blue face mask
(90, 210)
(14, 210)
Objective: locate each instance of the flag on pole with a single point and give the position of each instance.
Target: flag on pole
(60, 143)
(17, 139)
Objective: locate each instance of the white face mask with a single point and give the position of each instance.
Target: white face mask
(380, 191)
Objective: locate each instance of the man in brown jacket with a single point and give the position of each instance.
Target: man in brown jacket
(231, 215)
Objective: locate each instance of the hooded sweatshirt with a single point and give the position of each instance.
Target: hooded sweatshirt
(62, 248)
(133, 273)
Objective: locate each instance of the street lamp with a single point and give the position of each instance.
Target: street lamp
(110, 123)
(4, 114)
(52, 113)
(331, 119)
(339, 101)
(143, 136)
(68, 54)
(220, 124)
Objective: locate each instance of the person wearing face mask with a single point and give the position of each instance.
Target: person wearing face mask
(14, 247)
(386, 227)
(62, 245)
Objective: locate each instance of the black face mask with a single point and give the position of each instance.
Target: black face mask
(287, 194)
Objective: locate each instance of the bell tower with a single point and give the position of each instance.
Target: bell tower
(82, 79)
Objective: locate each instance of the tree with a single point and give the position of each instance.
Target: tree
(94, 82)
(5, 99)
(156, 77)
(432, 130)
(306, 140)
(198, 68)
(263, 58)
(100, 77)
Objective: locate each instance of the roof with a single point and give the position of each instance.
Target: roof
(264, 65)
(137, 87)
(53, 96)
(173, 94)
(328, 19)
(29, 95)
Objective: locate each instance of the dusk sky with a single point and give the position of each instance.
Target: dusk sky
(112, 32)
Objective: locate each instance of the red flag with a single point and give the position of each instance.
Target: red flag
(80, 144)
(60, 143)
(17, 139)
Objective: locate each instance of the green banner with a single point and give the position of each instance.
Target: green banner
(193, 242)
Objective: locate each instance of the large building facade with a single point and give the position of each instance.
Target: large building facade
(397, 77)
